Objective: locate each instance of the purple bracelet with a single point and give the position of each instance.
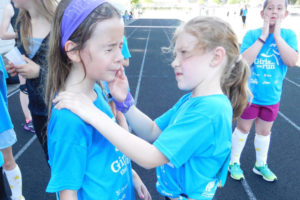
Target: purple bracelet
(124, 106)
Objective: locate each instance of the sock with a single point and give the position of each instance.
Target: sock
(14, 179)
(261, 144)
(238, 142)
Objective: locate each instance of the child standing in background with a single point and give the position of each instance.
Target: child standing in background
(269, 50)
(189, 144)
(33, 26)
(84, 165)
(7, 34)
(7, 139)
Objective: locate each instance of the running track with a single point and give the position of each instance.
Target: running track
(153, 85)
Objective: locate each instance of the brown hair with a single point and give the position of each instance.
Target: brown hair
(46, 8)
(213, 32)
(59, 64)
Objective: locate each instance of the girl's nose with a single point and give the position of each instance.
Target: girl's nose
(175, 63)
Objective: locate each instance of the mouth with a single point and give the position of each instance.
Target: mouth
(177, 74)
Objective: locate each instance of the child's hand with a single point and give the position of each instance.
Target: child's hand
(79, 104)
(29, 70)
(140, 188)
(265, 29)
(277, 28)
(119, 86)
(10, 68)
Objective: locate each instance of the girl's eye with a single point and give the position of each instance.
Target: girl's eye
(108, 50)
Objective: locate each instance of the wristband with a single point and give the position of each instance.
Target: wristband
(124, 106)
(261, 40)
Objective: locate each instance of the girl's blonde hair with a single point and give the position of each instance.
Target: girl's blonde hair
(59, 64)
(212, 33)
(46, 8)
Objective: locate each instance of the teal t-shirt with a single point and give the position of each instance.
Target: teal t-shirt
(196, 138)
(82, 159)
(5, 120)
(268, 69)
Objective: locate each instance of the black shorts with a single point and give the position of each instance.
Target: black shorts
(244, 19)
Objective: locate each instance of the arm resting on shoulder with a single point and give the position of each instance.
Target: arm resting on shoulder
(142, 125)
(137, 149)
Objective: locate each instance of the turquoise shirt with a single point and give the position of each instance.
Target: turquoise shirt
(268, 69)
(196, 138)
(5, 120)
(82, 159)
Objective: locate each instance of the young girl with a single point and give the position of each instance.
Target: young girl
(34, 22)
(269, 51)
(85, 46)
(7, 34)
(189, 144)
(7, 139)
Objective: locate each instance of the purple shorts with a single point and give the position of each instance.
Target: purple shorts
(266, 113)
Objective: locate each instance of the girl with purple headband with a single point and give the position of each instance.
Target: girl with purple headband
(269, 50)
(85, 47)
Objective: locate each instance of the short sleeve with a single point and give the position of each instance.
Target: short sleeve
(67, 145)
(191, 133)
(125, 49)
(248, 41)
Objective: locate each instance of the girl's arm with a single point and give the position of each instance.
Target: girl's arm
(68, 195)
(142, 125)
(288, 55)
(252, 52)
(137, 149)
(8, 13)
(139, 186)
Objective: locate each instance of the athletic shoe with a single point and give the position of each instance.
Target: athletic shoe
(29, 127)
(265, 172)
(236, 172)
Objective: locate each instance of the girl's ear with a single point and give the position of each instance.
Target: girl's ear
(262, 14)
(73, 55)
(218, 57)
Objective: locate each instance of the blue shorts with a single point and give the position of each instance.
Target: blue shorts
(7, 138)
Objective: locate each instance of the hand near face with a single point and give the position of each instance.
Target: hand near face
(119, 86)
(266, 26)
(277, 28)
(29, 70)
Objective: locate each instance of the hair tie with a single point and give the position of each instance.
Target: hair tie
(76, 12)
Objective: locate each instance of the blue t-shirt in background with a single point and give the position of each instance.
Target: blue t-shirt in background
(268, 69)
(125, 50)
(82, 159)
(196, 138)
(5, 120)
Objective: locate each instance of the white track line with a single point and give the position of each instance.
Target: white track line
(289, 80)
(289, 121)
(13, 92)
(248, 190)
(136, 96)
(25, 147)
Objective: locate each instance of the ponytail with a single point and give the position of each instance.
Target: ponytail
(234, 83)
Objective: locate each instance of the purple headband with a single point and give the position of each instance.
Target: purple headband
(266, 2)
(76, 12)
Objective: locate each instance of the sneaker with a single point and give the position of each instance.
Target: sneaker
(29, 126)
(236, 172)
(265, 172)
